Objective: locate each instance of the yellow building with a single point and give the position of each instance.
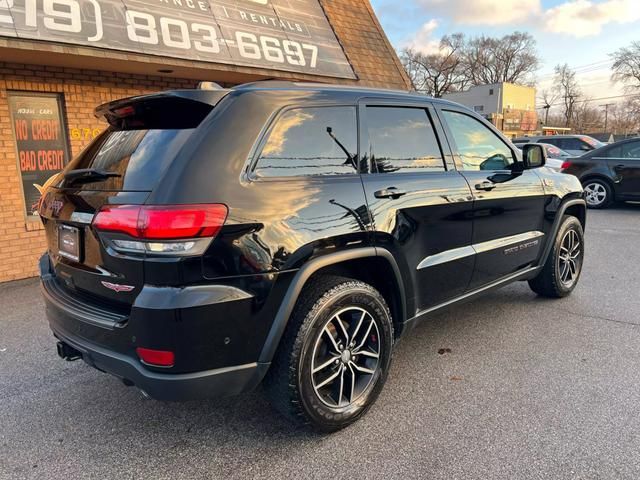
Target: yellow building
(510, 107)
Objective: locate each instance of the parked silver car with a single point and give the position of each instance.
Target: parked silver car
(575, 145)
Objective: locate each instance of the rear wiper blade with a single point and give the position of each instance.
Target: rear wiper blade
(87, 175)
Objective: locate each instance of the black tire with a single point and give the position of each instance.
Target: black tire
(599, 193)
(553, 281)
(289, 382)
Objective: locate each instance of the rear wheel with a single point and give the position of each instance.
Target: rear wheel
(335, 355)
(561, 271)
(598, 193)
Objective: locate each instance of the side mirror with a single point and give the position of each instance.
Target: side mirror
(533, 156)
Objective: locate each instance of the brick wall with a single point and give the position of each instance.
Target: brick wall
(22, 241)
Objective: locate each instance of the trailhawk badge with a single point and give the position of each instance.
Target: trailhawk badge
(116, 287)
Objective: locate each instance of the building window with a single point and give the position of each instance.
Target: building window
(478, 108)
(491, 91)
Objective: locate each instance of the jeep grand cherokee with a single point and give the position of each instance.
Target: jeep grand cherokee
(290, 234)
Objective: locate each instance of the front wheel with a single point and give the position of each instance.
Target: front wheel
(561, 271)
(335, 354)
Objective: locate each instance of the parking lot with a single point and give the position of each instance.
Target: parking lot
(531, 388)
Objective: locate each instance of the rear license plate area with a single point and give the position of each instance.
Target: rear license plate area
(69, 242)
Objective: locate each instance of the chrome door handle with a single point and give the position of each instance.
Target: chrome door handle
(390, 192)
(486, 185)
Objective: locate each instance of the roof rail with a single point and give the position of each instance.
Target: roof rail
(301, 84)
(267, 82)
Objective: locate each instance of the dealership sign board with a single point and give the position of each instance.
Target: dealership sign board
(291, 35)
(41, 141)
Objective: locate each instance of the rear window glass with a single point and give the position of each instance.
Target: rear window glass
(592, 141)
(139, 157)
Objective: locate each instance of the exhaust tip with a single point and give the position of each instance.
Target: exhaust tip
(67, 352)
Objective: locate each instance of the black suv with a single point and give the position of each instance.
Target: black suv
(291, 233)
(608, 173)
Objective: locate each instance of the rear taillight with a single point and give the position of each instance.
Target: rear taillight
(161, 229)
(565, 165)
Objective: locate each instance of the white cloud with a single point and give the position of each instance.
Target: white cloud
(484, 12)
(582, 18)
(423, 40)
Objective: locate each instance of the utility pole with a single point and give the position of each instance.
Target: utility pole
(546, 114)
(606, 114)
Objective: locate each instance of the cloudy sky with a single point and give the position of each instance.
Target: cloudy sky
(581, 33)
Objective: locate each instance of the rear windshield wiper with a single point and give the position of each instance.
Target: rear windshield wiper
(87, 175)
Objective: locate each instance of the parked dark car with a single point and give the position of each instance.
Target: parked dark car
(575, 145)
(608, 174)
(291, 233)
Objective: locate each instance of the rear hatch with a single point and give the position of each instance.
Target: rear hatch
(121, 167)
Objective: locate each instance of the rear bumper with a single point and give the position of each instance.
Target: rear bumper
(200, 324)
(167, 386)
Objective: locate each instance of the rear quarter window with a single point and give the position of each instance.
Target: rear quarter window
(311, 141)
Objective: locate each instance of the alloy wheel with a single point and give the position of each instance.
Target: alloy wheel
(346, 357)
(596, 194)
(569, 261)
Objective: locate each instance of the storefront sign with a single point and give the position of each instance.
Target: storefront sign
(275, 34)
(41, 141)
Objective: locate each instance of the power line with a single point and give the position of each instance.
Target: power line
(582, 69)
(630, 95)
(590, 65)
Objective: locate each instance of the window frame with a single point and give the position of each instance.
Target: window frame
(256, 152)
(428, 107)
(440, 109)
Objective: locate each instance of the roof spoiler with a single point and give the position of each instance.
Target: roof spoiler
(176, 109)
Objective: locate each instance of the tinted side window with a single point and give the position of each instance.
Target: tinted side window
(614, 152)
(631, 150)
(311, 141)
(403, 140)
(571, 144)
(478, 147)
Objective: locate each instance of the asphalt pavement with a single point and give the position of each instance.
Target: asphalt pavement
(531, 388)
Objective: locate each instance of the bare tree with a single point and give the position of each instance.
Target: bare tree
(461, 62)
(626, 66)
(511, 58)
(587, 117)
(625, 117)
(567, 88)
(435, 73)
(549, 97)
